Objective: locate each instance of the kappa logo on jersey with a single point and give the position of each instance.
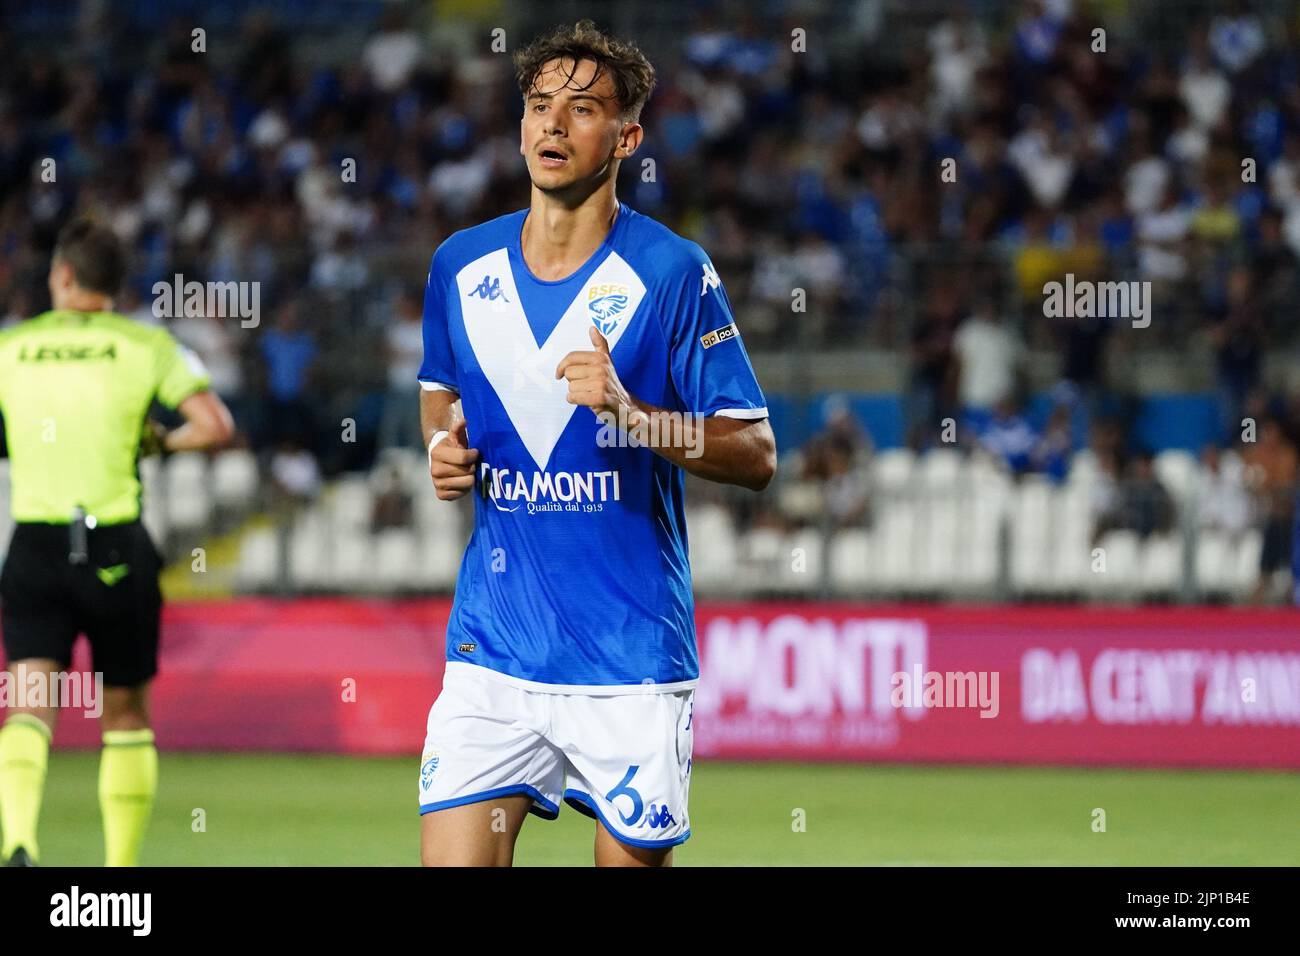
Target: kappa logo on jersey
(710, 280)
(606, 303)
(710, 339)
(658, 818)
(427, 769)
(489, 289)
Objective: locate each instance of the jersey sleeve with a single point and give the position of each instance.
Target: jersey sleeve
(181, 373)
(710, 367)
(438, 370)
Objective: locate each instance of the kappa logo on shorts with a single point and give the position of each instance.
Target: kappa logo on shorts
(427, 768)
(659, 818)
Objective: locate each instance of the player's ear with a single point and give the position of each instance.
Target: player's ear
(61, 276)
(629, 140)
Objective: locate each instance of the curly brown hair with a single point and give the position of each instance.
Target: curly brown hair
(633, 76)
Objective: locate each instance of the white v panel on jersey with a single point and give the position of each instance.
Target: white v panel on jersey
(520, 372)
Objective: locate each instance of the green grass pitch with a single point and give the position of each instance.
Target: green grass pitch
(275, 809)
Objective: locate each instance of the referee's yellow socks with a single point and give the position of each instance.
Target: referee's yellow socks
(24, 755)
(128, 780)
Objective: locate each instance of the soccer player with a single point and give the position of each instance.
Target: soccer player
(76, 384)
(553, 336)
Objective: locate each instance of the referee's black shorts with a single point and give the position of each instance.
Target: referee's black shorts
(113, 598)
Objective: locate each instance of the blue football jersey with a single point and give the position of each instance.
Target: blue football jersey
(576, 575)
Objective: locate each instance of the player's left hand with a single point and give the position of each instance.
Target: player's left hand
(592, 379)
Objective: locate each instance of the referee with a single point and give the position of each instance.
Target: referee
(76, 385)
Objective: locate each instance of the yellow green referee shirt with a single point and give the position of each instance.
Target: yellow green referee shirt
(75, 388)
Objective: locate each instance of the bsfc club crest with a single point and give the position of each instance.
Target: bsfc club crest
(427, 769)
(607, 302)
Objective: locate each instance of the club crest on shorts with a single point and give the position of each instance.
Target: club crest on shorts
(427, 768)
(606, 303)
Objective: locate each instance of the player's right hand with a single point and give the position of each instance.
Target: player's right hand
(451, 464)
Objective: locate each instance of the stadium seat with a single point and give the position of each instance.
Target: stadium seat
(711, 535)
(891, 470)
(762, 552)
(1072, 537)
(353, 561)
(1246, 562)
(940, 469)
(1161, 564)
(439, 563)
(851, 559)
(1121, 578)
(982, 469)
(396, 556)
(440, 521)
(895, 541)
(414, 466)
(309, 557)
(1213, 563)
(351, 504)
(187, 468)
(764, 548)
(258, 566)
(1031, 535)
(1083, 467)
(1177, 470)
(188, 492)
(802, 567)
(936, 561)
(235, 479)
(982, 497)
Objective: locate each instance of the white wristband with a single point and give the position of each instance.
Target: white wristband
(437, 437)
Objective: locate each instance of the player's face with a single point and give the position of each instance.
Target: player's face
(572, 132)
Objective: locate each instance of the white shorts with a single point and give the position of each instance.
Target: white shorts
(623, 759)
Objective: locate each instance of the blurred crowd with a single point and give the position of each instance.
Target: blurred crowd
(1169, 159)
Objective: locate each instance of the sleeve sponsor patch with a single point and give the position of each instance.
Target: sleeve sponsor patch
(710, 339)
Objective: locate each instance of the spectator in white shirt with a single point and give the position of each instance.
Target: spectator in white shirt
(988, 357)
(1204, 89)
(404, 348)
(1162, 235)
(1222, 501)
(392, 55)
